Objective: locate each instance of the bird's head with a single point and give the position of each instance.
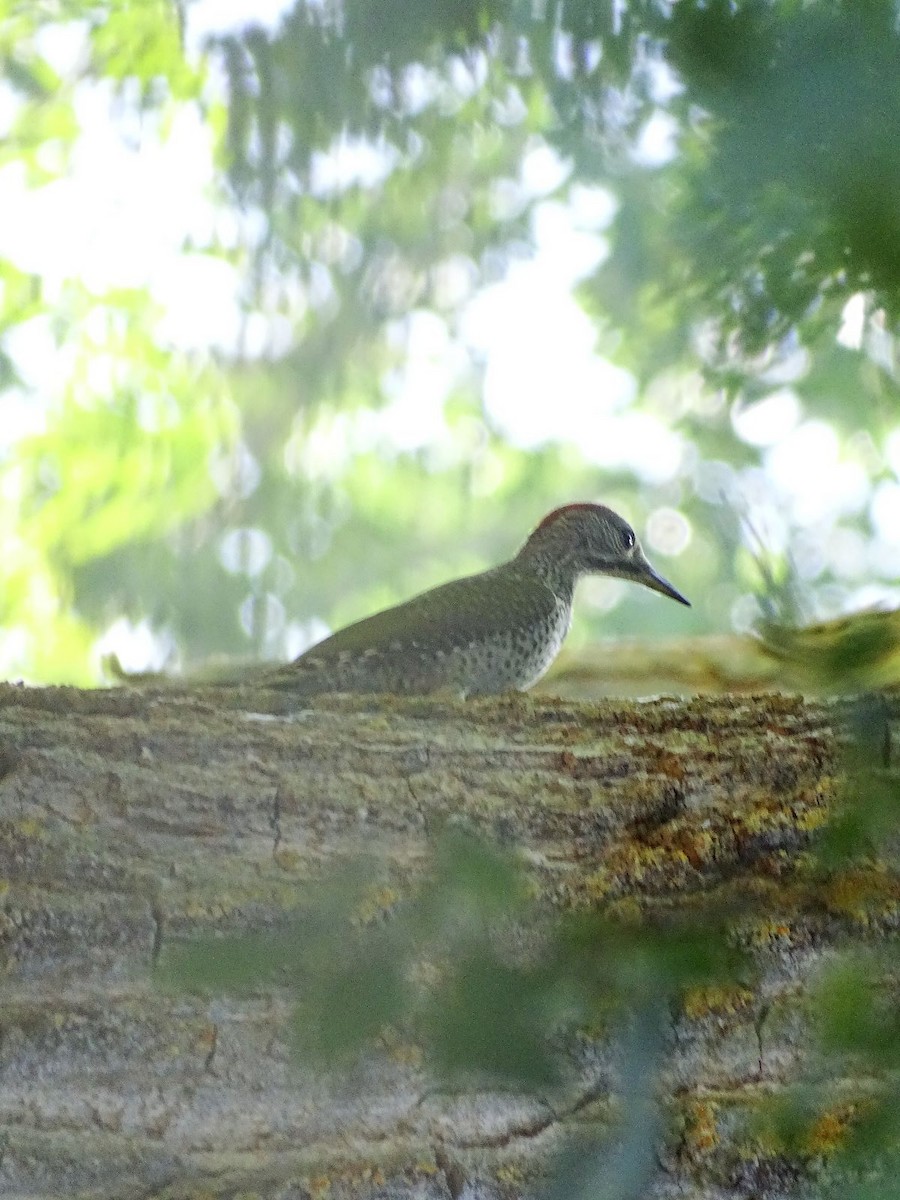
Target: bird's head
(590, 539)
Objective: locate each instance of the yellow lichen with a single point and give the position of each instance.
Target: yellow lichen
(701, 1133)
(512, 1174)
(377, 903)
(724, 1000)
(829, 1132)
(287, 860)
(31, 827)
(770, 930)
(863, 894)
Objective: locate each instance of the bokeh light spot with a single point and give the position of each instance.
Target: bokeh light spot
(768, 420)
(245, 551)
(668, 531)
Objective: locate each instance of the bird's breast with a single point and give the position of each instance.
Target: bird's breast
(516, 657)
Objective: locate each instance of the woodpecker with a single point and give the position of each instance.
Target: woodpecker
(486, 633)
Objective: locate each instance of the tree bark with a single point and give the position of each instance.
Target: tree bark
(129, 819)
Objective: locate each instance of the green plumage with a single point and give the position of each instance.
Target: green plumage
(486, 633)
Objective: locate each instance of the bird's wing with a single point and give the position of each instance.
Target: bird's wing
(478, 607)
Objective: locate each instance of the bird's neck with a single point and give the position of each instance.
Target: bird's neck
(558, 571)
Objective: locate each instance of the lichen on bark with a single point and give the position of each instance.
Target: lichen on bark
(132, 820)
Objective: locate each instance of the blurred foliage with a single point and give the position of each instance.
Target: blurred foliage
(844, 1115)
(489, 986)
(852, 654)
(472, 969)
(782, 202)
(731, 169)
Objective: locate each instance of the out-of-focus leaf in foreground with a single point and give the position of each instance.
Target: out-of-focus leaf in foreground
(488, 982)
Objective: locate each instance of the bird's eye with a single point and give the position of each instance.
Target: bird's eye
(628, 539)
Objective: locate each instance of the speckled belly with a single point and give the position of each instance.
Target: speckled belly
(516, 659)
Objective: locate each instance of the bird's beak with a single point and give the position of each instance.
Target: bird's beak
(645, 574)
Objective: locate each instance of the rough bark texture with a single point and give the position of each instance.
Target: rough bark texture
(130, 818)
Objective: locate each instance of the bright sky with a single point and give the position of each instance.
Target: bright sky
(121, 216)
